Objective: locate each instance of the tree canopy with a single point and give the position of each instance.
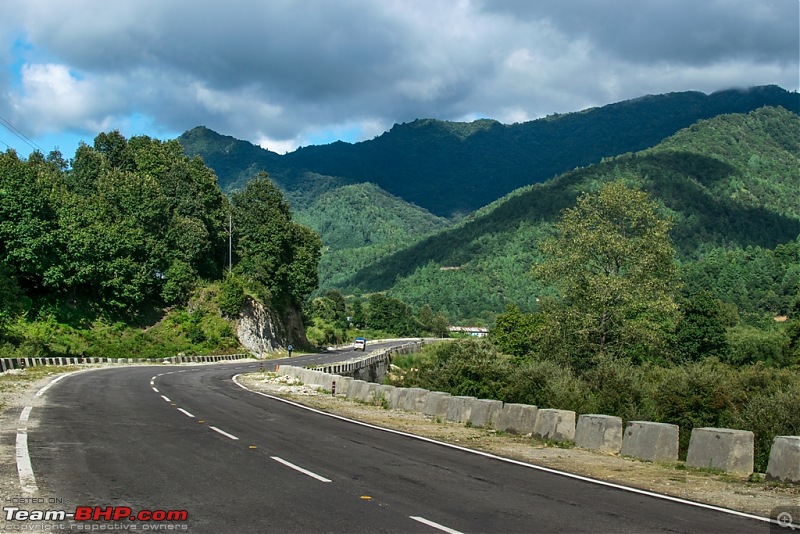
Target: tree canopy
(613, 263)
(134, 223)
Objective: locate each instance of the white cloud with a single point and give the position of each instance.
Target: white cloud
(53, 97)
(285, 72)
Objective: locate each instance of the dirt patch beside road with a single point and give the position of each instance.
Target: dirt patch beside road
(752, 495)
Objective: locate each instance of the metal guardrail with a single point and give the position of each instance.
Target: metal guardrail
(7, 364)
(354, 364)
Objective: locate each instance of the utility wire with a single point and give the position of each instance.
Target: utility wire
(14, 130)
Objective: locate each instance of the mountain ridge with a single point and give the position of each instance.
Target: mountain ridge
(731, 181)
(452, 168)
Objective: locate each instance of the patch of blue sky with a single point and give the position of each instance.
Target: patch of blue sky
(348, 134)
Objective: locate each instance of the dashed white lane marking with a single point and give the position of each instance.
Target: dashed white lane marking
(231, 436)
(165, 398)
(156, 390)
(184, 412)
(434, 525)
(298, 468)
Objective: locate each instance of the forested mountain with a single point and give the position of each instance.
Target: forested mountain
(360, 224)
(729, 183)
(452, 168)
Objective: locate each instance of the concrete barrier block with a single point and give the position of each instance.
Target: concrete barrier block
(517, 418)
(784, 459)
(296, 373)
(343, 385)
(402, 398)
(415, 399)
(599, 433)
(436, 404)
(484, 413)
(721, 448)
(284, 370)
(384, 392)
(354, 389)
(367, 393)
(654, 442)
(553, 424)
(394, 398)
(459, 408)
(326, 380)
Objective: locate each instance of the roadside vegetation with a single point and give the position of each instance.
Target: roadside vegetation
(131, 250)
(622, 335)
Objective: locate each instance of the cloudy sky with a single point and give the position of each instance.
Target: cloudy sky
(284, 73)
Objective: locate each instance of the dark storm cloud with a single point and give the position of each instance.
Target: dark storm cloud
(691, 32)
(287, 70)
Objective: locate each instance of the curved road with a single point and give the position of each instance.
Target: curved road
(188, 438)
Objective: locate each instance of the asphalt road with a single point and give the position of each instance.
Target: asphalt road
(188, 438)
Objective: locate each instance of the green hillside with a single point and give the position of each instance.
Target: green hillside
(730, 182)
(452, 168)
(361, 224)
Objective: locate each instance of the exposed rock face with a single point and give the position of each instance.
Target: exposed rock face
(261, 330)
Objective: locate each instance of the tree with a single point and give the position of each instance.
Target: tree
(516, 333)
(274, 252)
(425, 317)
(701, 331)
(613, 263)
(10, 295)
(357, 317)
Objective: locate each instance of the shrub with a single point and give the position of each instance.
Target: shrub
(231, 296)
(749, 345)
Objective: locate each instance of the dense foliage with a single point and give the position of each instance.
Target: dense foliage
(131, 222)
(130, 226)
(617, 338)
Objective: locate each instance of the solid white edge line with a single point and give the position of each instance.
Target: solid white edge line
(27, 481)
(185, 412)
(517, 462)
(434, 525)
(298, 468)
(231, 436)
(56, 379)
(165, 398)
(23, 417)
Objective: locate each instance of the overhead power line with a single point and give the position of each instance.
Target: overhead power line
(14, 130)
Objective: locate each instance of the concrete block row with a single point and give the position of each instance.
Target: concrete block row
(718, 448)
